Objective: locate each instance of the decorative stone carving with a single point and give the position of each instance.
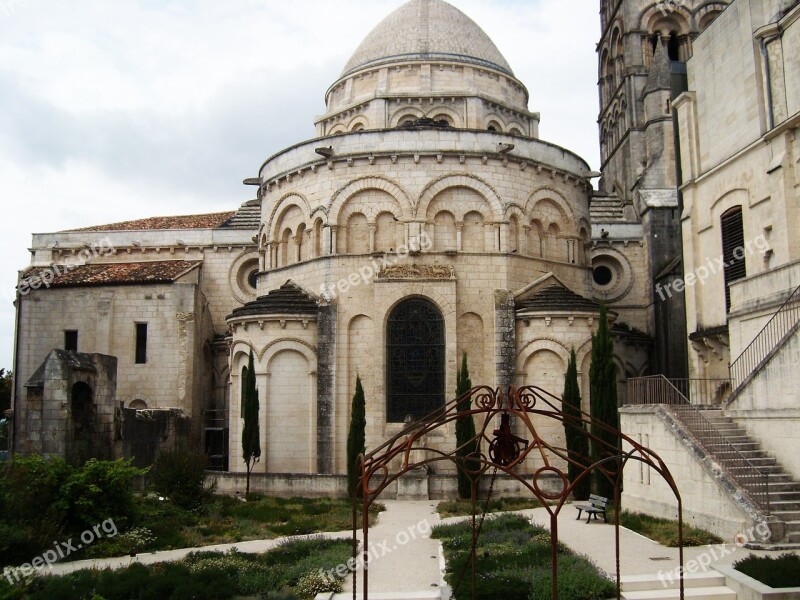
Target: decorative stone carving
(415, 271)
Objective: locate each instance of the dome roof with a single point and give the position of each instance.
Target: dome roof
(427, 30)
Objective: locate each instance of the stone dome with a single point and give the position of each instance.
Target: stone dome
(427, 30)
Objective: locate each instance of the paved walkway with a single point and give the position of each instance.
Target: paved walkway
(403, 558)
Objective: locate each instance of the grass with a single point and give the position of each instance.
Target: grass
(160, 525)
(514, 563)
(460, 508)
(288, 572)
(664, 531)
(776, 572)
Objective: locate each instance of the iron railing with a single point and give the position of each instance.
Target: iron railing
(782, 322)
(660, 390)
(657, 389)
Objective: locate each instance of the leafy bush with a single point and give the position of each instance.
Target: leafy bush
(98, 491)
(316, 582)
(31, 487)
(180, 475)
(777, 572)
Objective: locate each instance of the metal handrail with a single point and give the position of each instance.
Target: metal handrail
(784, 319)
(657, 389)
(706, 392)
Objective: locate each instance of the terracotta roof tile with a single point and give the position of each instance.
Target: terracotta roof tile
(165, 271)
(208, 221)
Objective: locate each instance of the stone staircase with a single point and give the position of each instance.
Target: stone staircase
(784, 492)
(705, 586)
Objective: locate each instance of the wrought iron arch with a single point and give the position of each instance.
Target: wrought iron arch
(415, 359)
(501, 450)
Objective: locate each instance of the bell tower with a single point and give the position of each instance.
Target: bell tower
(642, 58)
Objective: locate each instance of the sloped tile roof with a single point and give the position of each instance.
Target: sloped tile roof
(557, 298)
(247, 217)
(288, 299)
(165, 271)
(207, 221)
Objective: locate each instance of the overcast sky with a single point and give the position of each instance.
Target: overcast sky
(115, 110)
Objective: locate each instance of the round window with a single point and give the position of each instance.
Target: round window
(252, 279)
(602, 275)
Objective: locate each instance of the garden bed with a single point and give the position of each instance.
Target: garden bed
(289, 572)
(514, 563)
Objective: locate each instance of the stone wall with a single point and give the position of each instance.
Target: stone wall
(710, 500)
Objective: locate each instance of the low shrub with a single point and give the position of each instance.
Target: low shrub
(665, 531)
(513, 556)
(180, 475)
(98, 491)
(577, 580)
(315, 582)
(777, 572)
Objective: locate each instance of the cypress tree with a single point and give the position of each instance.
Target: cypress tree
(575, 429)
(603, 386)
(466, 442)
(356, 436)
(251, 435)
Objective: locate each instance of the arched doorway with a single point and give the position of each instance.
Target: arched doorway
(414, 360)
(82, 417)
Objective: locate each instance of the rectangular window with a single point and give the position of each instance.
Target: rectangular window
(141, 343)
(733, 250)
(71, 340)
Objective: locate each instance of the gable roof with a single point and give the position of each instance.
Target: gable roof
(164, 271)
(206, 221)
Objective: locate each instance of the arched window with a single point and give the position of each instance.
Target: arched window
(733, 250)
(414, 360)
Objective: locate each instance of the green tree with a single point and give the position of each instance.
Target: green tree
(603, 390)
(5, 391)
(251, 435)
(466, 442)
(356, 436)
(575, 429)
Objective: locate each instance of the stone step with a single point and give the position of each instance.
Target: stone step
(786, 515)
(762, 469)
(705, 593)
(784, 506)
(794, 537)
(643, 583)
(783, 497)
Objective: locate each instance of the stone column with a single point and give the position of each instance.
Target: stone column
(372, 227)
(326, 385)
(459, 230)
(505, 342)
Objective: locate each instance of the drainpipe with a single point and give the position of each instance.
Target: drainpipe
(768, 75)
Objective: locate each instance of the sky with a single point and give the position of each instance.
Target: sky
(124, 109)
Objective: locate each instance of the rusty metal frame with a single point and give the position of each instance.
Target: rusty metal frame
(492, 409)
